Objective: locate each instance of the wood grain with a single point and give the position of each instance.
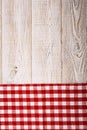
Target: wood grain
(0, 41)
(74, 44)
(46, 41)
(16, 41)
(43, 41)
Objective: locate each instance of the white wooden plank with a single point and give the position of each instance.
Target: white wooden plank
(46, 41)
(0, 41)
(74, 44)
(16, 41)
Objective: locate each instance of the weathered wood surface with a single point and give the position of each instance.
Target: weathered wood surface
(0, 41)
(43, 41)
(46, 41)
(16, 41)
(74, 44)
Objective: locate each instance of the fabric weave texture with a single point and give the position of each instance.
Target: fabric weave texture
(43, 107)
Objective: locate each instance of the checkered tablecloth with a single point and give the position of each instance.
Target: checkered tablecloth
(43, 107)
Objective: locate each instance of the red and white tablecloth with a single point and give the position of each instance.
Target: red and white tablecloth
(43, 107)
